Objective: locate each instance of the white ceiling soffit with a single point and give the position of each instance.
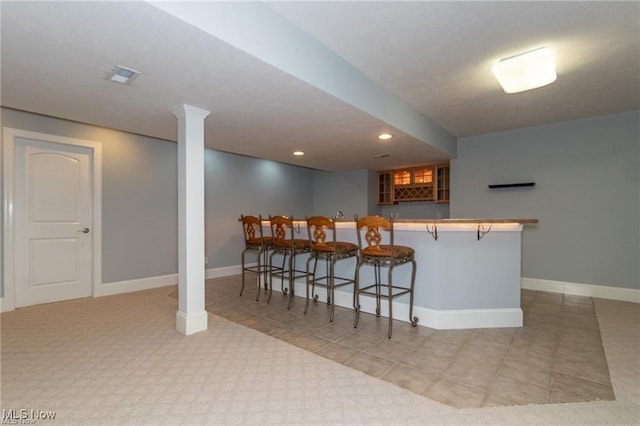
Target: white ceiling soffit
(437, 55)
(326, 79)
(259, 31)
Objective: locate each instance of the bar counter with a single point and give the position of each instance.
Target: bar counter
(468, 271)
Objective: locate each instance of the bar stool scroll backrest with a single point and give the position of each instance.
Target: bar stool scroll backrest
(255, 240)
(325, 246)
(252, 227)
(317, 227)
(289, 248)
(377, 248)
(369, 228)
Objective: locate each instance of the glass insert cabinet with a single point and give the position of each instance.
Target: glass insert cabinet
(422, 183)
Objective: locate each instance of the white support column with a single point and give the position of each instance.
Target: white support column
(191, 316)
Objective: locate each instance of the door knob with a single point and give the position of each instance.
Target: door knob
(84, 231)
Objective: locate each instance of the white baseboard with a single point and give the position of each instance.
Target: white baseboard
(476, 318)
(6, 305)
(148, 283)
(224, 271)
(577, 289)
(128, 286)
(450, 319)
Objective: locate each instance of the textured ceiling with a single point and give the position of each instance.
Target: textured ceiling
(429, 59)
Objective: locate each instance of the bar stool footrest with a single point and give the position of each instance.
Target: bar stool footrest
(384, 289)
(341, 281)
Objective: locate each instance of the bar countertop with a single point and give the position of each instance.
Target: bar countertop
(466, 221)
(468, 272)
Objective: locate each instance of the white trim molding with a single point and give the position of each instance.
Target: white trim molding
(224, 271)
(439, 319)
(9, 136)
(577, 289)
(445, 319)
(5, 305)
(139, 284)
(191, 324)
(128, 286)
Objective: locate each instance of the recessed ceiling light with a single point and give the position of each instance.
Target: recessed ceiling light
(526, 71)
(385, 136)
(298, 153)
(122, 75)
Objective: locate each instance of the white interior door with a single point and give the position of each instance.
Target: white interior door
(53, 217)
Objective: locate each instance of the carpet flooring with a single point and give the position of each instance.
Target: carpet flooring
(119, 360)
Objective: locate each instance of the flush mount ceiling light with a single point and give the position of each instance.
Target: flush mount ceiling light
(298, 153)
(385, 136)
(122, 75)
(526, 71)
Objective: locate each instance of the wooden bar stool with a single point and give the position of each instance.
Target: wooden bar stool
(374, 231)
(255, 241)
(289, 248)
(324, 246)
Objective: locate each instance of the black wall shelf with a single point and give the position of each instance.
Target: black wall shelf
(513, 185)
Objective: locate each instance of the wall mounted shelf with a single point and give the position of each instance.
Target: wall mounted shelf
(513, 185)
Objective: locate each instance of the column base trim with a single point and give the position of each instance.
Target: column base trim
(191, 324)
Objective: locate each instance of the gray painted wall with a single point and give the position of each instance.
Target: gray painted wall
(139, 196)
(347, 191)
(140, 199)
(355, 193)
(372, 203)
(417, 210)
(586, 195)
(236, 185)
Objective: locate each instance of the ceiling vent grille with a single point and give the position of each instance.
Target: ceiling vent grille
(122, 75)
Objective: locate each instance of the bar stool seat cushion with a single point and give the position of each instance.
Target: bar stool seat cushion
(342, 248)
(298, 244)
(257, 241)
(399, 252)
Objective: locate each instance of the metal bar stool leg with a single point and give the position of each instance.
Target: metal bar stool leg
(356, 296)
(390, 281)
(378, 288)
(270, 276)
(314, 296)
(354, 284)
(262, 269)
(292, 267)
(310, 281)
(242, 256)
(332, 283)
(284, 261)
(328, 278)
(414, 320)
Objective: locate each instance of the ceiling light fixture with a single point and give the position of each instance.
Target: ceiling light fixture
(526, 71)
(385, 136)
(122, 75)
(298, 153)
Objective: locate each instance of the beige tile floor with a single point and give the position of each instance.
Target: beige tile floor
(556, 357)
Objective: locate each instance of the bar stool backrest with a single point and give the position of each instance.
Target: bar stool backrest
(317, 227)
(369, 228)
(280, 225)
(252, 227)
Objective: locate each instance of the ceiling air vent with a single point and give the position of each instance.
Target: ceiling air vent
(122, 75)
